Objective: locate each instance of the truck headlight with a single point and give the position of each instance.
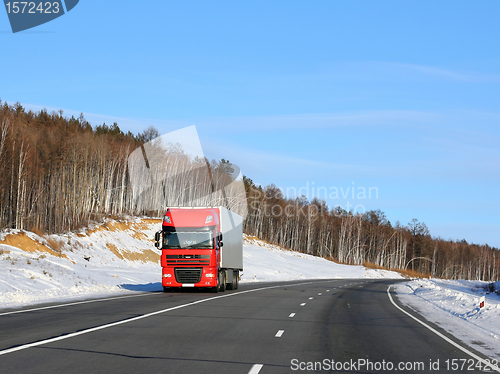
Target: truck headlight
(167, 275)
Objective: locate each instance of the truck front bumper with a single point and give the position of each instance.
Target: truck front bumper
(189, 277)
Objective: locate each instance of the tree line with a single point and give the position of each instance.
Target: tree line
(59, 173)
(363, 239)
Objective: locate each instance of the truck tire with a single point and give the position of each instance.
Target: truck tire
(217, 288)
(236, 276)
(234, 284)
(222, 282)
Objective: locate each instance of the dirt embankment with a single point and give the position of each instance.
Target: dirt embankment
(22, 241)
(56, 246)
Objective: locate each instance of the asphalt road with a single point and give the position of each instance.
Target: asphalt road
(349, 325)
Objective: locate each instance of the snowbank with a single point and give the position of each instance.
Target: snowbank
(454, 306)
(120, 257)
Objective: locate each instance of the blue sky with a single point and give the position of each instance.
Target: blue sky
(399, 96)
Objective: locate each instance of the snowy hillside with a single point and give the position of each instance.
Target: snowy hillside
(119, 257)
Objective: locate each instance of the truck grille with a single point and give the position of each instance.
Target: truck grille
(187, 275)
(173, 260)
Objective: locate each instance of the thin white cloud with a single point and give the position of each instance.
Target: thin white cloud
(135, 125)
(447, 74)
(315, 121)
(272, 162)
(265, 123)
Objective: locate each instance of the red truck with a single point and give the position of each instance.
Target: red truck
(201, 247)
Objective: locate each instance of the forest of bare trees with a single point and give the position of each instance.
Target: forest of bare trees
(59, 173)
(363, 239)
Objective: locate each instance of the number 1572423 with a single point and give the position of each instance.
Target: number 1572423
(32, 7)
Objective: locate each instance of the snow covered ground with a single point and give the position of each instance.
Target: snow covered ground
(120, 257)
(454, 306)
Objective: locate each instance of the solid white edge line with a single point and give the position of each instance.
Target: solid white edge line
(279, 333)
(97, 328)
(488, 364)
(255, 369)
(75, 303)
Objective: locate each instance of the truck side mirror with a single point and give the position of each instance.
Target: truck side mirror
(221, 244)
(157, 236)
(220, 236)
(157, 244)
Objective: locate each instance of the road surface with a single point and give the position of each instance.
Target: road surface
(345, 326)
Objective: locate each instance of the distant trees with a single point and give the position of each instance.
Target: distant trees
(58, 173)
(147, 135)
(310, 227)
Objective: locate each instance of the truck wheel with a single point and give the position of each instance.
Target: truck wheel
(222, 282)
(236, 276)
(234, 284)
(218, 287)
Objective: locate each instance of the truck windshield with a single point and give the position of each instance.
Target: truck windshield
(188, 240)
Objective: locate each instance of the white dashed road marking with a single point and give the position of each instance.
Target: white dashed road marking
(255, 369)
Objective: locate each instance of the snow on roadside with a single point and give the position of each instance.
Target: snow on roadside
(454, 306)
(120, 257)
